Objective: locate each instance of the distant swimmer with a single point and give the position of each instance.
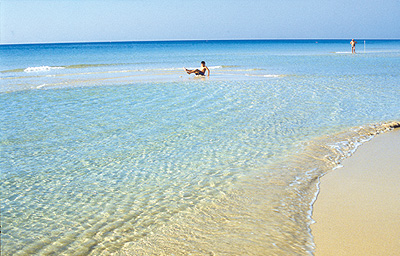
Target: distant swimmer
(199, 72)
(353, 46)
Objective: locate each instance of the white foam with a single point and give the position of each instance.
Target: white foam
(215, 67)
(164, 69)
(40, 86)
(272, 75)
(40, 69)
(263, 75)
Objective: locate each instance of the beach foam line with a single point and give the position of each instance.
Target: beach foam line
(270, 76)
(41, 86)
(318, 157)
(41, 69)
(357, 208)
(75, 66)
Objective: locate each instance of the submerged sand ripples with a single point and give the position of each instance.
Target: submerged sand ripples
(225, 167)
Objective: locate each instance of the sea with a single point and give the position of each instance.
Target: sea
(113, 149)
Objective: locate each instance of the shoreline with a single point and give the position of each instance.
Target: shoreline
(357, 210)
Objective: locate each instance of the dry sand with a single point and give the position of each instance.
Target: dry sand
(357, 211)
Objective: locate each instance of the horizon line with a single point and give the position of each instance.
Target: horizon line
(191, 40)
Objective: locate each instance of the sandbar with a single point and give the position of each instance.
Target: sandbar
(357, 211)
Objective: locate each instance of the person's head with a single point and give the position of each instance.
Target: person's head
(203, 63)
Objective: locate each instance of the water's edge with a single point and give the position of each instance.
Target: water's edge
(343, 150)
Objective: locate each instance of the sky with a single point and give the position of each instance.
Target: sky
(50, 21)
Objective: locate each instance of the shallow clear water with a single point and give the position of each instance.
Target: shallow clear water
(112, 148)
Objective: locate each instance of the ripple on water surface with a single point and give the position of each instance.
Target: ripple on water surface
(175, 167)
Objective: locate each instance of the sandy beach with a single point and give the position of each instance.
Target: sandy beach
(357, 211)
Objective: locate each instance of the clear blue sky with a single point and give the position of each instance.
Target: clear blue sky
(27, 21)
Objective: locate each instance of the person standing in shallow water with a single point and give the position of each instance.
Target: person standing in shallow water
(353, 46)
(199, 72)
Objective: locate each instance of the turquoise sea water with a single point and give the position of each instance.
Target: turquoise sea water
(111, 148)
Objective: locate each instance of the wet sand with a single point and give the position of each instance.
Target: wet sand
(357, 211)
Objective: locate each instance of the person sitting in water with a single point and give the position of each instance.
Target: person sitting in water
(199, 72)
